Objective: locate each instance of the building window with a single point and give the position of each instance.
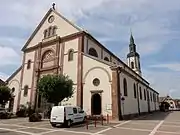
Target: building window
(154, 97)
(49, 32)
(93, 52)
(140, 93)
(25, 90)
(157, 99)
(135, 95)
(150, 96)
(13, 89)
(106, 59)
(45, 33)
(96, 82)
(29, 64)
(75, 110)
(144, 94)
(132, 65)
(125, 87)
(70, 55)
(54, 30)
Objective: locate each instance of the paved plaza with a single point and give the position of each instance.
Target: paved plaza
(160, 123)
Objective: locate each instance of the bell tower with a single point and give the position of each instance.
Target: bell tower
(133, 58)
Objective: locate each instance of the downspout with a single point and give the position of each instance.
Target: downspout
(139, 111)
(119, 94)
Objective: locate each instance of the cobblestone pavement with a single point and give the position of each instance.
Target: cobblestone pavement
(159, 123)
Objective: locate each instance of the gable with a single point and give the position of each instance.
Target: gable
(63, 28)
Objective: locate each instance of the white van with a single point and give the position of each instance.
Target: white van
(67, 115)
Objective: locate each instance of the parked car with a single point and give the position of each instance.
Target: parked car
(67, 115)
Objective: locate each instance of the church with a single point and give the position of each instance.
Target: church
(103, 83)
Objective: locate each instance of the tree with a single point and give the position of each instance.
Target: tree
(54, 88)
(5, 94)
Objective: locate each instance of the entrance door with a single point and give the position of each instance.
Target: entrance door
(11, 104)
(96, 104)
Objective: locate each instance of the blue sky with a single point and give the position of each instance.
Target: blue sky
(154, 23)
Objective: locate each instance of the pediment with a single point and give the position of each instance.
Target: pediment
(52, 22)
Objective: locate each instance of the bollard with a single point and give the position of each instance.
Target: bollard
(95, 122)
(107, 119)
(87, 124)
(102, 119)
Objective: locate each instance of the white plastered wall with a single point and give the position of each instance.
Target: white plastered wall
(15, 83)
(27, 77)
(130, 103)
(63, 29)
(70, 68)
(94, 69)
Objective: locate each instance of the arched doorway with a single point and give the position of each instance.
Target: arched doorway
(96, 104)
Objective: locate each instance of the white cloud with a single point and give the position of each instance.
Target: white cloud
(3, 76)
(171, 66)
(164, 82)
(151, 23)
(8, 56)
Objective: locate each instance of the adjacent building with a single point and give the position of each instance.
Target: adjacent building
(103, 83)
(2, 83)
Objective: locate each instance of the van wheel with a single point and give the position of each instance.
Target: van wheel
(68, 123)
(53, 125)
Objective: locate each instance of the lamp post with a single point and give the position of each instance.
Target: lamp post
(123, 99)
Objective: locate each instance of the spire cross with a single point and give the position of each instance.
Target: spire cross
(53, 6)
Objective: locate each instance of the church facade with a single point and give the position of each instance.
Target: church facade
(103, 83)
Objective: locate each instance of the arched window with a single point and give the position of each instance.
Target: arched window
(45, 33)
(13, 89)
(135, 95)
(144, 94)
(47, 59)
(25, 90)
(50, 31)
(54, 30)
(132, 65)
(48, 56)
(140, 93)
(157, 98)
(150, 96)
(106, 59)
(93, 52)
(125, 87)
(70, 55)
(29, 64)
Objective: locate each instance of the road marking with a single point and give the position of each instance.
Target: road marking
(68, 131)
(104, 130)
(168, 132)
(138, 129)
(12, 130)
(156, 128)
(171, 122)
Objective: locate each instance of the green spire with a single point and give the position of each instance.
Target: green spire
(131, 39)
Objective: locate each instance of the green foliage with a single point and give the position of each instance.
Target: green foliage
(55, 88)
(5, 94)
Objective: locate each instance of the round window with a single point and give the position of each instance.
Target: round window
(51, 19)
(96, 82)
